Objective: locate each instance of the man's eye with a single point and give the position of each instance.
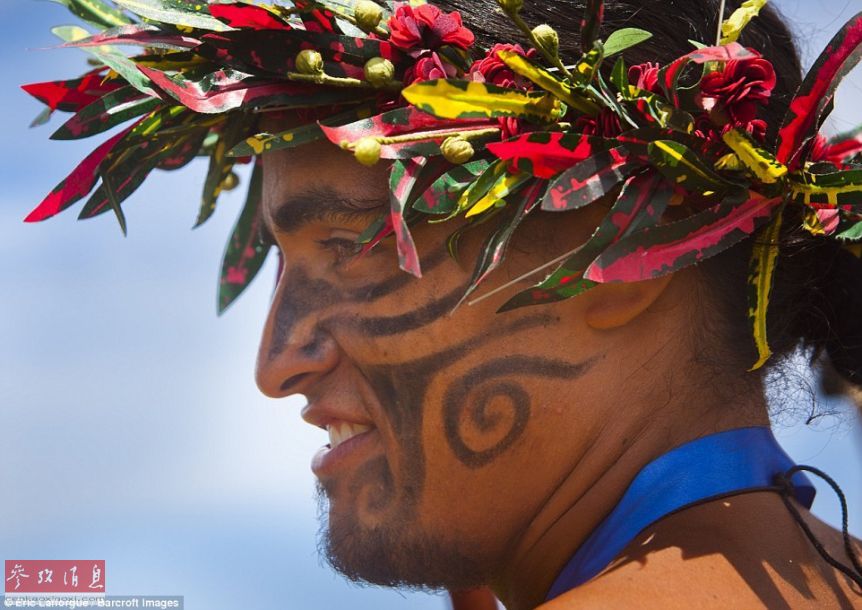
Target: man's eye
(344, 249)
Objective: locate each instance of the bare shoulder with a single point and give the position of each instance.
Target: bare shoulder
(747, 567)
(668, 581)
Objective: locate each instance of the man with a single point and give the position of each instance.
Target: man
(532, 449)
(468, 447)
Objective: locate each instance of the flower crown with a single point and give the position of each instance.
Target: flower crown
(485, 134)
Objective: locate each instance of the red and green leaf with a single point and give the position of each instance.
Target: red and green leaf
(77, 184)
(291, 138)
(547, 154)
(108, 111)
(591, 179)
(249, 16)
(642, 201)
(245, 253)
(817, 92)
(122, 173)
(442, 196)
(657, 251)
(72, 95)
(402, 178)
(494, 248)
(275, 51)
(230, 90)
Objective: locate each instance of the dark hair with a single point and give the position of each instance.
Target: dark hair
(818, 286)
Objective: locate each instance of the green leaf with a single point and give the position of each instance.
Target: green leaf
(110, 191)
(682, 166)
(624, 39)
(496, 195)
(620, 76)
(854, 233)
(480, 187)
(96, 12)
(163, 11)
(547, 81)
(116, 61)
(245, 252)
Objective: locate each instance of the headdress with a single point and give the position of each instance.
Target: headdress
(488, 134)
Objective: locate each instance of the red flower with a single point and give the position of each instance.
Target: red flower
(738, 89)
(427, 27)
(705, 129)
(645, 76)
(428, 67)
(491, 69)
(606, 124)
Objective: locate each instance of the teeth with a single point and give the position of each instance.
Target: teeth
(342, 431)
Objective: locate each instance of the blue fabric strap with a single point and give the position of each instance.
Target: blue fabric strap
(722, 464)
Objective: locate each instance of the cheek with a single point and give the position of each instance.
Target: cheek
(496, 439)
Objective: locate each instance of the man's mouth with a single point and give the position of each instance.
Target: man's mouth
(341, 431)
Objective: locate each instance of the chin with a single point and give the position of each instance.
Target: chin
(388, 548)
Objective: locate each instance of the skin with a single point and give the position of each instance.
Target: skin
(500, 441)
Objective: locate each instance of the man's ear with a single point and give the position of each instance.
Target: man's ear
(615, 305)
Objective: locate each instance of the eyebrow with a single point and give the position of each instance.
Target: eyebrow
(319, 204)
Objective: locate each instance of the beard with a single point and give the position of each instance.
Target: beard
(374, 537)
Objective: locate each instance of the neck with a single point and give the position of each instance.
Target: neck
(596, 482)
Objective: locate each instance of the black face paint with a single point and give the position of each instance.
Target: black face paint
(467, 401)
(303, 295)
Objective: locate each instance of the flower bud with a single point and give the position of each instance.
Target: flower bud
(367, 151)
(548, 38)
(309, 62)
(230, 182)
(457, 150)
(511, 6)
(379, 72)
(368, 15)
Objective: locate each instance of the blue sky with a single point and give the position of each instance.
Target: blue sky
(132, 430)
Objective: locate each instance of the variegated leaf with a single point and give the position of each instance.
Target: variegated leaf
(245, 252)
(764, 259)
(454, 99)
(657, 251)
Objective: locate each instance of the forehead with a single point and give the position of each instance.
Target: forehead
(296, 173)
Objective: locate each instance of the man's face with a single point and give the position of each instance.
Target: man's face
(465, 420)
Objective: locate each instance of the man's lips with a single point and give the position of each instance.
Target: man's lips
(349, 444)
(351, 435)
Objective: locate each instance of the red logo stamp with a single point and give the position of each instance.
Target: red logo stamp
(55, 576)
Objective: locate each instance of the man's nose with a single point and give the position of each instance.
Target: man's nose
(295, 352)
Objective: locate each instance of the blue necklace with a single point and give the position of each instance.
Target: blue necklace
(718, 465)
